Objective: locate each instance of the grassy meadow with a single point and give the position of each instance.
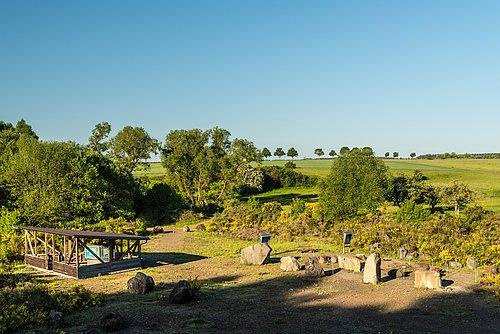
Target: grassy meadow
(482, 175)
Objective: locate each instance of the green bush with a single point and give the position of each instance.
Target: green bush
(410, 212)
(278, 177)
(28, 304)
(10, 241)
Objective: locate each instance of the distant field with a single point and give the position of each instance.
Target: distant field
(482, 175)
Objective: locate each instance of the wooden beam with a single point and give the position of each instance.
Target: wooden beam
(29, 243)
(70, 254)
(77, 255)
(84, 245)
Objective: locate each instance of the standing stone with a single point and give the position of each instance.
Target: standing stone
(471, 263)
(313, 268)
(334, 259)
(371, 273)
(324, 259)
(402, 252)
(350, 262)
(258, 254)
(289, 263)
(186, 229)
(140, 284)
(454, 264)
(200, 227)
(429, 279)
(181, 293)
(158, 229)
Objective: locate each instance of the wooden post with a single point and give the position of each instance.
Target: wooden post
(25, 244)
(77, 255)
(128, 249)
(36, 241)
(53, 248)
(64, 249)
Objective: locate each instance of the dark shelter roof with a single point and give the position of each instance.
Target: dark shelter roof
(83, 234)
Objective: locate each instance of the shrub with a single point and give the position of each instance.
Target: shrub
(410, 212)
(297, 207)
(10, 241)
(290, 165)
(28, 304)
(278, 177)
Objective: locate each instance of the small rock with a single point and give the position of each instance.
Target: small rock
(371, 272)
(427, 279)
(181, 293)
(471, 263)
(200, 227)
(186, 229)
(289, 263)
(112, 322)
(55, 319)
(454, 264)
(324, 259)
(140, 284)
(350, 262)
(258, 254)
(334, 259)
(157, 229)
(375, 247)
(402, 252)
(436, 269)
(397, 273)
(313, 268)
(413, 255)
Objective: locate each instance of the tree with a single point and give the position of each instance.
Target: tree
(458, 195)
(206, 166)
(404, 188)
(292, 152)
(395, 154)
(99, 134)
(131, 145)
(266, 153)
(319, 152)
(279, 152)
(413, 155)
(58, 182)
(24, 128)
(10, 134)
(387, 154)
(357, 182)
(332, 153)
(344, 150)
(367, 150)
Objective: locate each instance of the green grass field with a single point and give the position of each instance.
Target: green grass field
(482, 175)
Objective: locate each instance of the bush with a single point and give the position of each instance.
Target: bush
(10, 241)
(28, 304)
(278, 177)
(290, 165)
(159, 203)
(410, 212)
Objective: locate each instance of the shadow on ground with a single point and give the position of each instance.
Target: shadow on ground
(161, 259)
(292, 304)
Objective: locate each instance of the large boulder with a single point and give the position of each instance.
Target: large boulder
(372, 272)
(350, 262)
(181, 293)
(313, 268)
(289, 263)
(140, 284)
(429, 279)
(112, 322)
(257, 254)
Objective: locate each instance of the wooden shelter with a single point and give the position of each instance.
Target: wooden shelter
(81, 253)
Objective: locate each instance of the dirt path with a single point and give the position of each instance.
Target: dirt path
(262, 299)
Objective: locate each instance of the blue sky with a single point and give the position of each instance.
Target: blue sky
(401, 76)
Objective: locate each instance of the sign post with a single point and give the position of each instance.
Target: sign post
(347, 240)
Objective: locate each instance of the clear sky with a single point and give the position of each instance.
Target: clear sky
(401, 76)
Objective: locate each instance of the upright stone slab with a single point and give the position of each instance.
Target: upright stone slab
(313, 269)
(350, 262)
(257, 254)
(371, 272)
(289, 263)
(429, 279)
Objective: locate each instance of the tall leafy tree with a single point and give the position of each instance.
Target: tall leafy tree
(279, 152)
(413, 155)
(319, 152)
(344, 150)
(395, 154)
(367, 150)
(458, 195)
(387, 154)
(357, 182)
(292, 152)
(332, 153)
(266, 153)
(131, 145)
(206, 166)
(97, 139)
